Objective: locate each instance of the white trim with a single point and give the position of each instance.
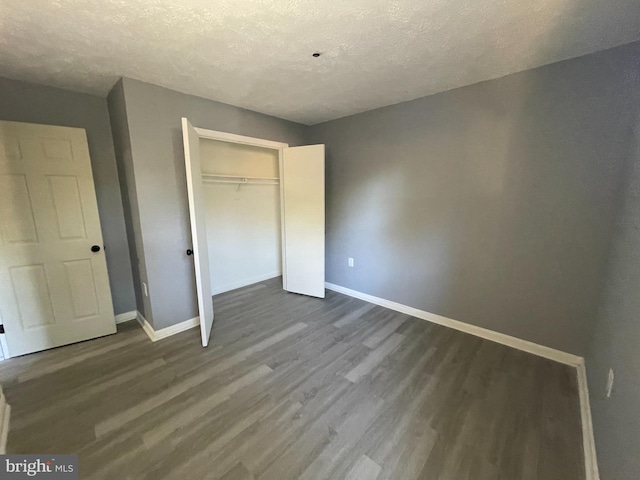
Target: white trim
(126, 316)
(508, 340)
(233, 138)
(4, 427)
(588, 440)
(244, 283)
(146, 326)
(283, 243)
(156, 335)
(256, 142)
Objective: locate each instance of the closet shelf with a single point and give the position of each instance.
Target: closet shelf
(239, 179)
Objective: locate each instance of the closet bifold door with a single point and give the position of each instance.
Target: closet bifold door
(302, 181)
(198, 228)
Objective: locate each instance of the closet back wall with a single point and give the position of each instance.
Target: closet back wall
(243, 223)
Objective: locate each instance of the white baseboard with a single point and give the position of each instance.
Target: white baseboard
(588, 440)
(244, 283)
(126, 316)
(156, 335)
(591, 464)
(5, 414)
(502, 338)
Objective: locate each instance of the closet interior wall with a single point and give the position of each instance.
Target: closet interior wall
(242, 202)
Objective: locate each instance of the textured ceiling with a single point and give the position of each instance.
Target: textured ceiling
(257, 54)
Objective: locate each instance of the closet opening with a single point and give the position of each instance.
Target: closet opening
(241, 193)
(257, 212)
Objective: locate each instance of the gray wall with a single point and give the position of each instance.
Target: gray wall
(492, 204)
(28, 102)
(154, 115)
(616, 343)
(126, 175)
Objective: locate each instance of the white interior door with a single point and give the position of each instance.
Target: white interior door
(198, 228)
(302, 180)
(54, 290)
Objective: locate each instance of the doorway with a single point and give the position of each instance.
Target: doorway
(241, 193)
(299, 179)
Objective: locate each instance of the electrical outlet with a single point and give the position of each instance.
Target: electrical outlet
(350, 261)
(146, 292)
(610, 379)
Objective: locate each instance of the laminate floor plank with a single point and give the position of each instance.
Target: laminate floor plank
(294, 387)
(364, 469)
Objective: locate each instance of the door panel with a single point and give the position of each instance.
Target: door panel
(53, 289)
(82, 288)
(16, 211)
(67, 206)
(198, 229)
(302, 182)
(56, 149)
(31, 289)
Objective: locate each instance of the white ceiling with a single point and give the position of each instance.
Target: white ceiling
(257, 54)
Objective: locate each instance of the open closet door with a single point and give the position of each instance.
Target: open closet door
(198, 228)
(302, 180)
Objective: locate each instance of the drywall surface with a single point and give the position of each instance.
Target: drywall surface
(257, 54)
(492, 204)
(153, 115)
(31, 103)
(126, 175)
(243, 229)
(616, 343)
(243, 220)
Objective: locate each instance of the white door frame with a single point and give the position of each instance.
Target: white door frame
(257, 142)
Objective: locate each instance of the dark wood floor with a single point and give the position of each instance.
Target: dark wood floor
(298, 388)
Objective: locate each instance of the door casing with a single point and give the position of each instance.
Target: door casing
(203, 133)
